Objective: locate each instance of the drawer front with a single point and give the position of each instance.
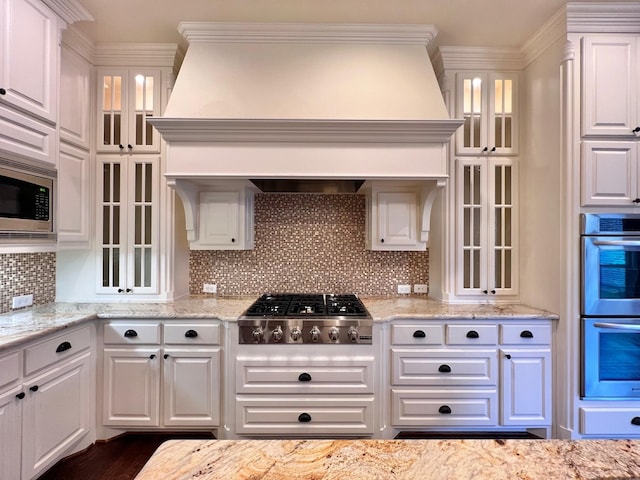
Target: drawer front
(523, 334)
(274, 416)
(186, 333)
(445, 408)
(417, 335)
(267, 376)
(56, 348)
(472, 334)
(610, 421)
(132, 333)
(9, 368)
(444, 367)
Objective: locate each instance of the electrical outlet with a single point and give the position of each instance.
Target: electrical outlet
(404, 288)
(22, 301)
(420, 288)
(210, 288)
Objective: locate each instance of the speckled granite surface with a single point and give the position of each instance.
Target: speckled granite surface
(24, 325)
(393, 459)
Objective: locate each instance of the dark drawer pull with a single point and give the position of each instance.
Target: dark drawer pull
(472, 334)
(304, 377)
(445, 409)
(34, 388)
(304, 418)
(191, 334)
(444, 368)
(526, 334)
(635, 421)
(130, 333)
(20, 396)
(419, 334)
(63, 347)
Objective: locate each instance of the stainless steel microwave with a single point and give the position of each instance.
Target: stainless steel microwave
(26, 201)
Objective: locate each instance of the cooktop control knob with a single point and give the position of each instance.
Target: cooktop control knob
(296, 333)
(353, 334)
(277, 334)
(334, 334)
(257, 334)
(315, 334)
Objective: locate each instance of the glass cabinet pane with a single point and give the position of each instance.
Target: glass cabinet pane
(472, 111)
(502, 226)
(503, 112)
(111, 109)
(471, 225)
(143, 102)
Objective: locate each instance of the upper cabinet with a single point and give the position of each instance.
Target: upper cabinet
(127, 98)
(610, 84)
(488, 104)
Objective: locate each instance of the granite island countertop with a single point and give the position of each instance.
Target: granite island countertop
(393, 460)
(28, 324)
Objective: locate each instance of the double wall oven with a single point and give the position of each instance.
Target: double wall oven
(610, 306)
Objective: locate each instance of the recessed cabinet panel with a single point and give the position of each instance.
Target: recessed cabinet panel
(609, 173)
(10, 431)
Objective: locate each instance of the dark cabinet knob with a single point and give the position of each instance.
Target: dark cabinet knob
(636, 201)
(121, 147)
(130, 333)
(493, 149)
(152, 356)
(507, 356)
(485, 149)
(233, 240)
(166, 355)
(129, 146)
(382, 240)
(635, 421)
(20, 396)
(493, 292)
(635, 130)
(444, 369)
(120, 290)
(445, 409)
(191, 334)
(485, 291)
(472, 334)
(419, 334)
(304, 418)
(128, 290)
(34, 388)
(63, 347)
(304, 377)
(3, 91)
(526, 334)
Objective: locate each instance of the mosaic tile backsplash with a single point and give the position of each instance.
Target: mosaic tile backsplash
(308, 243)
(25, 273)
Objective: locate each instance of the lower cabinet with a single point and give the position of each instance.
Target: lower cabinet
(161, 374)
(47, 407)
(470, 374)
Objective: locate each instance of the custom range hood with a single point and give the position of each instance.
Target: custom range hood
(297, 107)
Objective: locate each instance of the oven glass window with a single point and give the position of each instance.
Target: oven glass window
(619, 274)
(620, 356)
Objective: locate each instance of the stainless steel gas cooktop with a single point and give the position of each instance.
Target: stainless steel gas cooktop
(306, 318)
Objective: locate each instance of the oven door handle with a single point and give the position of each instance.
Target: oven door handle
(617, 243)
(617, 326)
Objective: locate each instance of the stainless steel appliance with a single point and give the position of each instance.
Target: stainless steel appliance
(610, 305)
(26, 201)
(306, 319)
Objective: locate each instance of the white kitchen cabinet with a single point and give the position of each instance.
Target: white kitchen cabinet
(127, 98)
(75, 98)
(610, 421)
(46, 408)
(75, 205)
(609, 173)
(610, 84)
(486, 227)
(161, 374)
(226, 219)
(128, 219)
(488, 103)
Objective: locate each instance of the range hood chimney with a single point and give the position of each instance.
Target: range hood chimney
(275, 103)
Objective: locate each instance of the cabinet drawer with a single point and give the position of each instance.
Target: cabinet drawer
(55, 349)
(185, 333)
(264, 375)
(525, 334)
(132, 333)
(416, 335)
(9, 368)
(445, 408)
(304, 416)
(444, 367)
(472, 334)
(609, 421)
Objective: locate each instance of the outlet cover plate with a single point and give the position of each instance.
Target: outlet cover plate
(420, 288)
(404, 289)
(22, 301)
(210, 288)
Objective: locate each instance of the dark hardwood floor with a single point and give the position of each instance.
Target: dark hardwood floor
(120, 458)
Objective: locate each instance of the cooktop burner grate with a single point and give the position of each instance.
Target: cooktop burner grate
(306, 306)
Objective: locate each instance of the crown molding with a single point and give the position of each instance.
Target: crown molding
(135, 54)
(552, 31)
(77, 41)
(480, 58)
(609, 17)
(69, 10)
(235, 32)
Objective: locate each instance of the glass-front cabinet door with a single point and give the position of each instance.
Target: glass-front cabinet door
(127, 98)
(128, 224)
(486, 261)
(487, 103)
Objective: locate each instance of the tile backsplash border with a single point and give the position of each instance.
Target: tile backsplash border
(27, 273)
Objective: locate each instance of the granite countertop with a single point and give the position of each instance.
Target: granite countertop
(393, 459)
(29, 324)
